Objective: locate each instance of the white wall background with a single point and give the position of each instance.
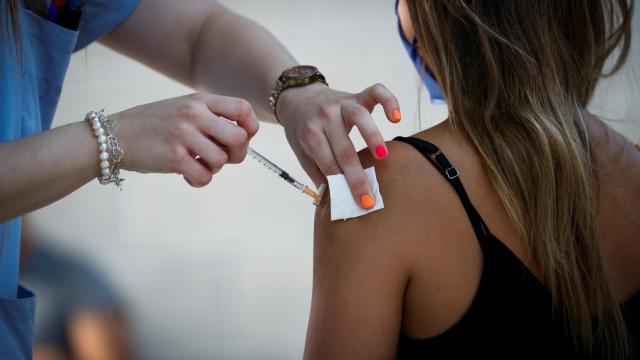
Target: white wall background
(212, 273)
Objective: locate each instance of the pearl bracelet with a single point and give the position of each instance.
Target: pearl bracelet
(104, 129)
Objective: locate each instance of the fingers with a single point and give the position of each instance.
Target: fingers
(356, 115)
(317, 146)
(229, 122)
(232, 137)
(194, 172)
(379, 94)
(349, 162)
(210, 155)
(234, 109)
(313, 171)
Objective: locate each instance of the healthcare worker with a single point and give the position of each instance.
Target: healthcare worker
(199, 43)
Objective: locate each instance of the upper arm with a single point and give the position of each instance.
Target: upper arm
(160, 34)
(359, 277)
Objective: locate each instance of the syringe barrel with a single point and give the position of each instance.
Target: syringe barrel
(273, 167)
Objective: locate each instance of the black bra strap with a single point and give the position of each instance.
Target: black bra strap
(450, 173)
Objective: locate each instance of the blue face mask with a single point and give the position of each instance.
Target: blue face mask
(429, 81)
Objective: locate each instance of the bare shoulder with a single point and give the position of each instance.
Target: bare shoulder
(418, 202)
(411, 257)
(362, 266)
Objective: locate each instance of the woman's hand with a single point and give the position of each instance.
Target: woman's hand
(317, 121)
(188, 135)
(193, 135)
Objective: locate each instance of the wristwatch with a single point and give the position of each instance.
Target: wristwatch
(296, 76)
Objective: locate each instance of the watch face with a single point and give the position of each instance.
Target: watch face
(300, 71)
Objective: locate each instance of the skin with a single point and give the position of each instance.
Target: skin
(210, 48)
(93, 336)
(415, 266)
(99, 335)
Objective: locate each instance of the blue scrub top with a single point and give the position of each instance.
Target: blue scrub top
(30, 86)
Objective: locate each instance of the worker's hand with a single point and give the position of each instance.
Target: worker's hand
(317, 121)
(193, 135)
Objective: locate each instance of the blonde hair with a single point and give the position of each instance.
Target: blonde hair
(516, 75)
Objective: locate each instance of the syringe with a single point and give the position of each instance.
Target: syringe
(283, 174)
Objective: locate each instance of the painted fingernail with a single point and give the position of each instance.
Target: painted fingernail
(381, 151)
(367, 202)
(395, 116)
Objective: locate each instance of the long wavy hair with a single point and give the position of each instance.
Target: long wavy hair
(516, 76)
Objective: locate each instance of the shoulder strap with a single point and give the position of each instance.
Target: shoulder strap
(450, 173)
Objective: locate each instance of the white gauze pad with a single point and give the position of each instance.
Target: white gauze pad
(343, 205)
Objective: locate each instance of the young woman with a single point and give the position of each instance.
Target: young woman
(510, 230)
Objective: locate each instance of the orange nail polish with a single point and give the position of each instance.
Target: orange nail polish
(367, 202)
(381, 151)
(395, 116)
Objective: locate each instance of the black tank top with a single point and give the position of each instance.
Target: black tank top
(511, 313)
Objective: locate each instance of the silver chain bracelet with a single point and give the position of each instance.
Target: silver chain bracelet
(104, 128)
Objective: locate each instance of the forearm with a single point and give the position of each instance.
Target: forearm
(235, 56)
(38, 170)
(204, 45)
